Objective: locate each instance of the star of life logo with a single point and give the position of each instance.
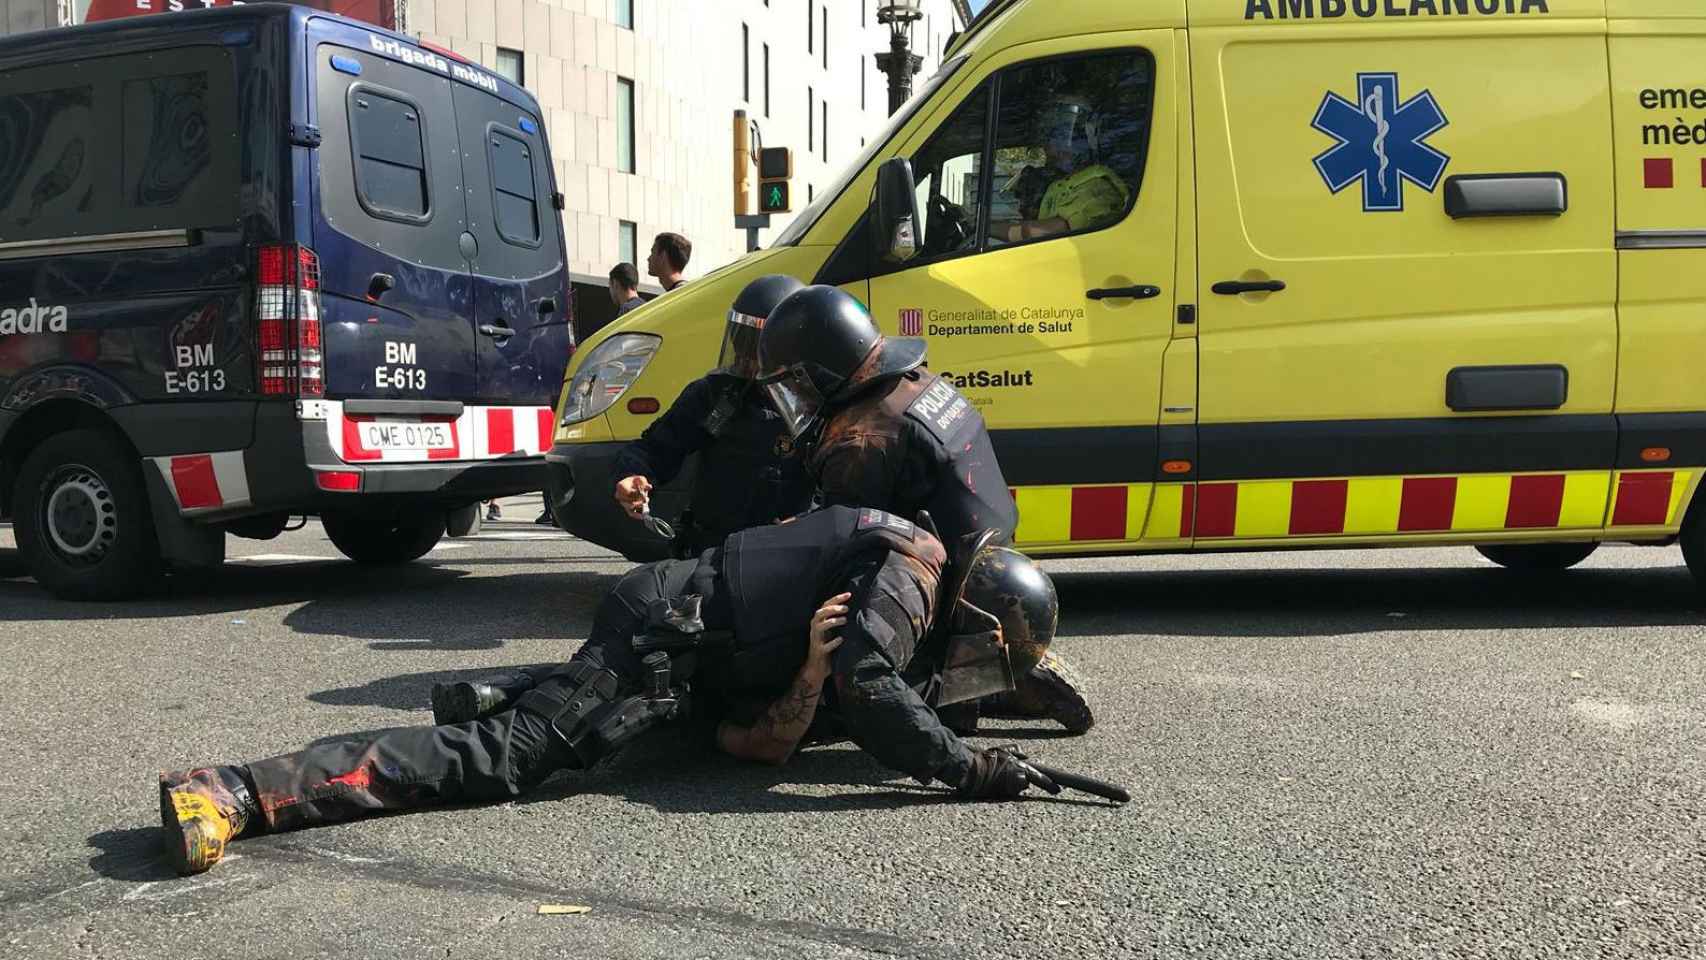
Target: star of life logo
(1381, 142)
(911, 322)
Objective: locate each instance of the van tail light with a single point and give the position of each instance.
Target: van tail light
(287, 311)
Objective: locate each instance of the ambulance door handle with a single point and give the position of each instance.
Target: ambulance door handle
(1232, 288)
(496, 332)
(1140, 292)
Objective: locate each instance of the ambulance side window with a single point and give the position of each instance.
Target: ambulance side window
(1071, 137)
(948, 173)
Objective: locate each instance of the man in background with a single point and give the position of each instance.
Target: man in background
(669, 256)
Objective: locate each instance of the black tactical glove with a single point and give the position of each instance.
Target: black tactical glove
(1001, 773)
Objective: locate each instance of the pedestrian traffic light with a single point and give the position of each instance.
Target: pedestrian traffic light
(775, 167)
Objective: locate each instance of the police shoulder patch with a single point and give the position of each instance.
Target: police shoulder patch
(941, 409)
(871, 519)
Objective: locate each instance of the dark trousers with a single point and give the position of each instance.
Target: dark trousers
(497, 758)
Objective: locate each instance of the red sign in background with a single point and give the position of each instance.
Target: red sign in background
(378, 12)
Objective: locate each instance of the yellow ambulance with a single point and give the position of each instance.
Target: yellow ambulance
(1271, 273)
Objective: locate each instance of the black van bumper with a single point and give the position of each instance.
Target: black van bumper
(284, 460)
(579, 481)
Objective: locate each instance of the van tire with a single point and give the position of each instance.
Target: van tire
(463, 522)
(1694, 545)
(1536, 557)
(82, 518)
(387, 538)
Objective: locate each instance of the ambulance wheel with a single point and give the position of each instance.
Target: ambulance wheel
(1694, 545)
(82, 520)
(385, 538)
(1537, 556)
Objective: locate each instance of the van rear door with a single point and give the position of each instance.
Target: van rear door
(388, 227)
(520, 283)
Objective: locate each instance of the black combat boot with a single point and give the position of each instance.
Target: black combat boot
(1051, 690)
(478, 699)
(203, 810)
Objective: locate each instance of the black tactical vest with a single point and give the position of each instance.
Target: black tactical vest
(778, 575)
(969, 494)
(748, 475)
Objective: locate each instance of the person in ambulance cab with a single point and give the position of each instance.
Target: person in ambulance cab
(1076, 191)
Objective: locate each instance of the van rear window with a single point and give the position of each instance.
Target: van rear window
(390, 173)
(118, 144)
(513, 195)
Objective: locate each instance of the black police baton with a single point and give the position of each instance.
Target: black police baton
(1074, 781)
(1054, 780)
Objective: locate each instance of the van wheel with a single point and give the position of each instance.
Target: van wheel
(1694, 545)
(386, 538)
(1537, 556)
(464, 522)
(82, 519)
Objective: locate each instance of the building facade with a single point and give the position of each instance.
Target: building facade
(639, 96)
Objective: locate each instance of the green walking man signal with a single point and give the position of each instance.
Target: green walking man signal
(775, 167)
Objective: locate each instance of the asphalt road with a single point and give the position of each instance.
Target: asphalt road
(1379, 754)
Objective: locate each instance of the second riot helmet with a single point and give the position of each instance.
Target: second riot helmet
(739, 354)
(819, 347)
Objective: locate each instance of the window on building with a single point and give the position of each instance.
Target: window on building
(625, 14)
(810, 194)
(745, 64)
(825, 131)
(627, 241)
(825, 26)
(513, 193)
(864, 8)
(811, 28)
(767, 80)
(811, 120)
(390, 168)
(862, 82)
(624, 125)
(511, 66)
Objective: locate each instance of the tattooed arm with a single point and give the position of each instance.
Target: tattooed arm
(777, 733)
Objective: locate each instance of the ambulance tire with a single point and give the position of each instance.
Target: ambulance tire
(386, 538)
(1694, 545)
(1537, 557)
(82, 520)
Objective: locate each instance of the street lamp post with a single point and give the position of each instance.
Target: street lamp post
(899, 62)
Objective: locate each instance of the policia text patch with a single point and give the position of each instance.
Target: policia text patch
(1366, 9)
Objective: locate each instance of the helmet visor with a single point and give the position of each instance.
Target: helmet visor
(739, 354)
(792, 394)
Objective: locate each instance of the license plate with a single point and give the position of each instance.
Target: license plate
(405, 435)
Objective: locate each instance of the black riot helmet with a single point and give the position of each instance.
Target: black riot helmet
(739, 355)
(820, 347)
(1004, 585)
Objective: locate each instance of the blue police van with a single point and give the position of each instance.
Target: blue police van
(262, 262)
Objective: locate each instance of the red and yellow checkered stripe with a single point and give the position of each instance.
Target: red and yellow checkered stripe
(1398, 507)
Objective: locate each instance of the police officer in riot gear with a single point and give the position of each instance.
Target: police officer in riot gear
(733, 620)
(1075, 191)
(747, 473)
(877, 427)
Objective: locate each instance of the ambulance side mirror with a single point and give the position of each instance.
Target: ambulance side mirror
(894, 212)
